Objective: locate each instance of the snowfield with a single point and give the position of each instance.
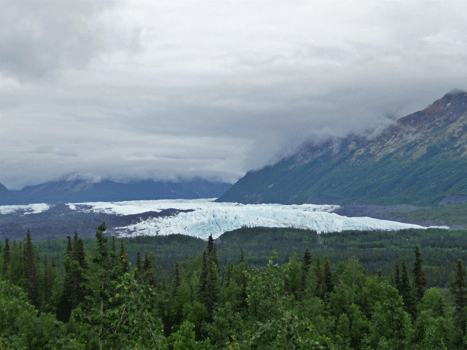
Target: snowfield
(210, 218)
(27, 209)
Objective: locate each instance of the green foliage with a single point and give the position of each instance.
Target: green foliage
(22, 328)
(331, 302)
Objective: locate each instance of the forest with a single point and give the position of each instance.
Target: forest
(252, 288)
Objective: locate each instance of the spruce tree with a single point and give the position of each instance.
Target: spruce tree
(397, 278)
(319, 279)
(30, 275)
(114, 245)
(459, 288)
(176, 280)
(174, 307)
(148, 272)
(74, 291)
(124, 257)
(406, 290)
(212, 286)
(209, 279)
(79, 253)
(16, 263)
(306, 261)
(210, 246)
(211, 251)
(419, 278)
(69, 246)
(6, 258)
(242, 256)
(203, 279)
(328, 283)
(139, 270)
(46, 286)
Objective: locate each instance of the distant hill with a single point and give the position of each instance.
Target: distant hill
(76, 191)
(421, 160)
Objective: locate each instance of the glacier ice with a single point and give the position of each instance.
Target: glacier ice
(211, 218)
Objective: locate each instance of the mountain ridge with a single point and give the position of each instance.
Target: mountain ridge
(78, 190)
(421, 159)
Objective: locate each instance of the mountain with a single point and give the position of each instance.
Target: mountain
(76, 191)
(421, 160)
(6, 196)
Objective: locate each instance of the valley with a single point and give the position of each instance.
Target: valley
(198, 218)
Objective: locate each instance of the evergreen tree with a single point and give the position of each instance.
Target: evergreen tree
(210, 246)
(459, 288)
(48, 286)
(30, 275)
(419, 278)
(16, 263)
(397, 278)
(306, 261)
(328, 283)
(79, 253)
(209, 279)
(203, 279)
(75, 238)
(227, 275)
(176, 280)
(114, 245)
(69, 246)
(406, 290)
(174, 307)
(211, 251)
(212, 286)
(74, 291)
(319, 279)
(147, 271)
(6, 258)
(242, 256)
(124, 257)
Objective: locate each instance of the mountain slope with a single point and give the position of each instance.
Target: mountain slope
(84, 191)
(420, 160)
(6, 196)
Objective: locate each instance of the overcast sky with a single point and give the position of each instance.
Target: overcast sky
(164, 89)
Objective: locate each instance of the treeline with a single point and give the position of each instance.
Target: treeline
(375, 250)
(99, 300)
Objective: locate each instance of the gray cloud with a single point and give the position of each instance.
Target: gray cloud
(40, 38)
(147, 89)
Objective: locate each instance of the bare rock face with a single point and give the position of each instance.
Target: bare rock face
(421, 159)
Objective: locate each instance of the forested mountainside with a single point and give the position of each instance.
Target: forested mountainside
(76, 191)
(419, 160)
(232, 294)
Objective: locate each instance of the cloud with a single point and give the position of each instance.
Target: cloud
(40, 38)
(134, 89)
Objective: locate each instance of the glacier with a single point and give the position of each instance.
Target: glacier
(210, 218)
(206, 217)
